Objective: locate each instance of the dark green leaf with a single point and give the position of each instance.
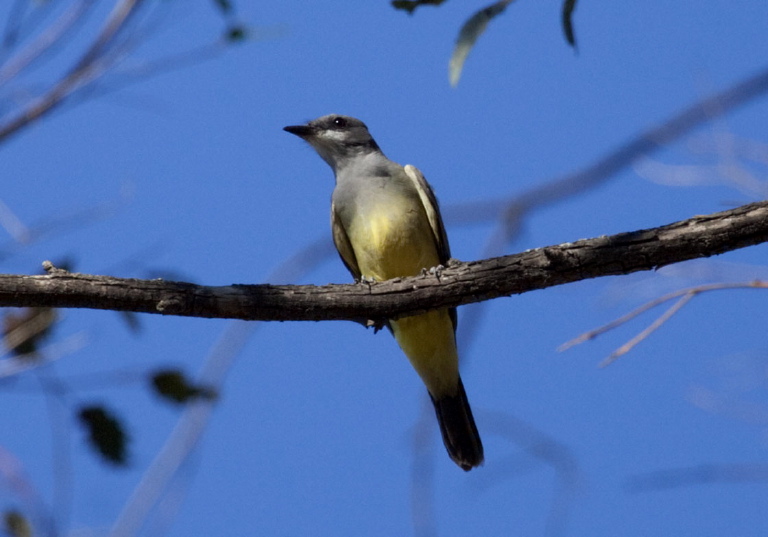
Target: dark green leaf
(236, 33)
(16, 524)
(105, 433)
(173, 385)
(224, 5)
(568, 8)
(411, 5)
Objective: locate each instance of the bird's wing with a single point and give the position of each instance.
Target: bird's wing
(429, 202)
(343, 245)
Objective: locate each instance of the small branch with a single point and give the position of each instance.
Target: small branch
(683, 295)
(703, 474)
(511, 211)
(94, 62)
(45, 41)
(650, 329)
(460, 283)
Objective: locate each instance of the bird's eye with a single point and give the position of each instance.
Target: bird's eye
(340, 122)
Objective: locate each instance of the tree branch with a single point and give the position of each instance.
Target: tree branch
(91, 65)
(460, 283)
(511, 211)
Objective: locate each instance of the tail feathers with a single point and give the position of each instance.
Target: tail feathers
(458, 428)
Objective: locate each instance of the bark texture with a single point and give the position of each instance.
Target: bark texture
(460, 283)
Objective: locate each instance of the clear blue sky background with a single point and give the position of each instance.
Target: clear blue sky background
(313, 432)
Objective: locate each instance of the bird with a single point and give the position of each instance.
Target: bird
(386, 224)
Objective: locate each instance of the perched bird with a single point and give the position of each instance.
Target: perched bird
(386, 224)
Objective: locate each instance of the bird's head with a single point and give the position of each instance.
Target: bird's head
(337, 139)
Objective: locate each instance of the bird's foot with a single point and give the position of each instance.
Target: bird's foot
(376, 324)
(434, 271)
(366, 280)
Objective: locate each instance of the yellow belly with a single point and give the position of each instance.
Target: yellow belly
(388, 247)
(391, 245)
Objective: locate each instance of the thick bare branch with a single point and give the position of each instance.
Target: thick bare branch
(461, 283)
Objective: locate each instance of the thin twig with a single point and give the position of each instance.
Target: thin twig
(55, 225)
(52, 36)
(513, 209)
(13, 24)
(651, 328)
(702, 474)
(13, 225)
(121, 79)
(686, 294)
(96, 60)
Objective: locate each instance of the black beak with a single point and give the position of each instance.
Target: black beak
(301, 131)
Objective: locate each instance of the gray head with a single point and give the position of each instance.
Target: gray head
(338, 139)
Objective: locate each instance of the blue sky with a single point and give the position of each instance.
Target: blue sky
(313, 432)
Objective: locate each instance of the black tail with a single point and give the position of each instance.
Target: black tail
(458, 428)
